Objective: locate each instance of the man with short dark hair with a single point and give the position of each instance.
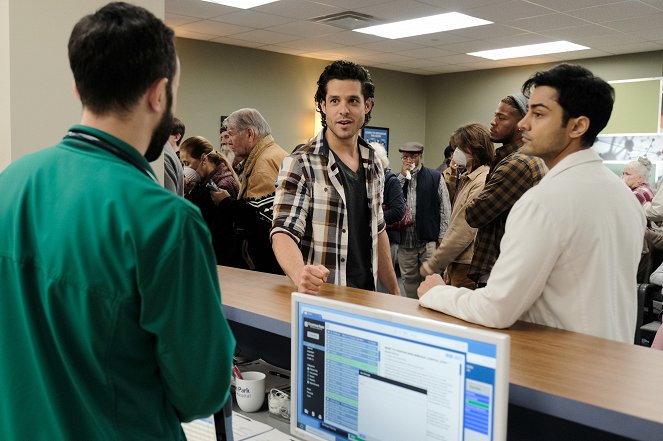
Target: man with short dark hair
(176, 134)
(173, 178)
(572, 243)
(511, 175)
(110, 324)
(328, 220)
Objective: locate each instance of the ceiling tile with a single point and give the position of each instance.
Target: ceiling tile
(456, 59)
(655, 3)
(265, 37)
(400, 10)
(570, 5)
(173, 20)
(615, 11)
(426, 52)
(604, 41)
(237, 42)
(546, 22)
(196, 8)
(283, 49)
(305, 29)
(439, 39)
(508, 11)
(253, 19)
(637, 24)
(183, 33)
(311, 44)
(386, 58)
(213, 27)
(631, 48)
(627, 26)
(462, 5)
(354, 38)
(486, 32)
(571, 34)
(390, 45)
(300, 9)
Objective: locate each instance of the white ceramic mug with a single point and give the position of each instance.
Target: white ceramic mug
(250, 391)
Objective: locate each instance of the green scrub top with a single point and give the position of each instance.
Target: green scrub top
(111, 325)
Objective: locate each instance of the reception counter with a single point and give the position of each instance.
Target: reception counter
(611, 386)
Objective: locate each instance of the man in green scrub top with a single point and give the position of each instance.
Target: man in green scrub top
(111, 324)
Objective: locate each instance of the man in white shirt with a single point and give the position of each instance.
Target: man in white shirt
(570, 252)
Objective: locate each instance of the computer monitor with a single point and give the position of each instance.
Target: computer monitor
(364, 374)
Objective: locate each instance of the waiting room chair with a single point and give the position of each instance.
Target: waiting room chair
(649, 313)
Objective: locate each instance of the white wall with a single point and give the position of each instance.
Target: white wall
(40, 103)
(5, 91)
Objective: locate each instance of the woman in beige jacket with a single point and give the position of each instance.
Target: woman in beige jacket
(475, 152)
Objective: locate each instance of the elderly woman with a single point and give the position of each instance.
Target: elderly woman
(635, 176)
(474, 152)
(215, 173)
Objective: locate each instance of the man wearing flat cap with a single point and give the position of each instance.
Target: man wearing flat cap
(427, 196)
(511, 175)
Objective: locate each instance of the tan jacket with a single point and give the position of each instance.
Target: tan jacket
(458, 243)
(261, 169)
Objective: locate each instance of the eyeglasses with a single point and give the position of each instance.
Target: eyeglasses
(411, 156)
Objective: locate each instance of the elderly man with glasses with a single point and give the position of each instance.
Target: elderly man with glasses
(427, 196)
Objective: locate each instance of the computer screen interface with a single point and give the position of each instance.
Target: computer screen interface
(365, 378)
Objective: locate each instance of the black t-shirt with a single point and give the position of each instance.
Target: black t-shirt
(359, 272)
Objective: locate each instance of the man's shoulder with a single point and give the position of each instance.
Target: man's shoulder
(309, 148)
(518, 163)
(274, 151)
(29, 161)
(521, 158)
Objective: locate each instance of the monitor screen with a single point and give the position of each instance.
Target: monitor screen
(364, 374)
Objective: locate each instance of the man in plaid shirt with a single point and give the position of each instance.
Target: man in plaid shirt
(328, 223)
(511, 175)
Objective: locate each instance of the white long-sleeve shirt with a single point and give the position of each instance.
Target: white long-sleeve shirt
(568, 259)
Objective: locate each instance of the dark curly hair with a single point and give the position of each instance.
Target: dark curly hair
(344, 70)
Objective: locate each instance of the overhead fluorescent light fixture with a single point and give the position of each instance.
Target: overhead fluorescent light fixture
(529, 50)
(424, 25)
(242, 4)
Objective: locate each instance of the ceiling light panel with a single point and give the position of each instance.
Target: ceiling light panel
(529, 50)
(424, 25)
(242, 4)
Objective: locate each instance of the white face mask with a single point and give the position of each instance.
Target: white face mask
(459, 158)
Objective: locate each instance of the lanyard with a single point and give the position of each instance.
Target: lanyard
(107, 146)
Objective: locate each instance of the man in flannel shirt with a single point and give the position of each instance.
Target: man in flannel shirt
(328, 223)
(511, 175)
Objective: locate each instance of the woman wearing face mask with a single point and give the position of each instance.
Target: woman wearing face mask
(474, 152)
(452, 173)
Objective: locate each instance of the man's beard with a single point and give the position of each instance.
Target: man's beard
(230, 156)
(161, 132)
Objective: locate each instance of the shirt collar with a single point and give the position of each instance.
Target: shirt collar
(580, 157)
(126, 148)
